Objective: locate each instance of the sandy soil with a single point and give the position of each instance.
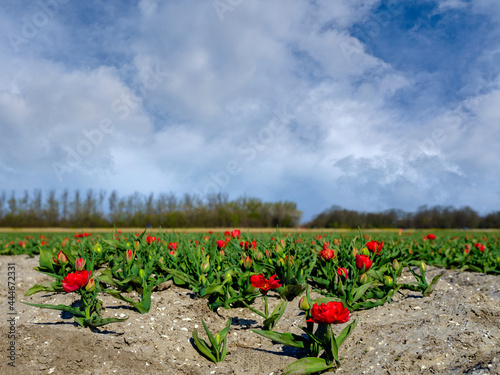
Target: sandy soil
(454, 331)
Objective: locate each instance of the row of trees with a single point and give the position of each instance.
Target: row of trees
(425, 217)
(98, 209)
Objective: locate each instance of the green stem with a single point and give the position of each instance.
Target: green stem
(265, 306)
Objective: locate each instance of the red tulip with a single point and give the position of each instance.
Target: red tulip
(375, 246)
(221, 244)
(327, 254)
(245, 245)
(236, 233)
(150, 239)
(173, 245)
(329, 313)
(75, 281)
(363, 262)
(342, 272)
(430, 237)
(259, 281)
(479, 246)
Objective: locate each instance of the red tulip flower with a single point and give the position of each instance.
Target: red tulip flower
(150, 239)
(259, 281)
(363, 262)
(173, 245)
(329, 313)
(75, 281)
(221, 244)
(479, 246)
(430, 237)
(342, 272)
(245, 245)
(327, 254)
(236, 233)
(375, 246)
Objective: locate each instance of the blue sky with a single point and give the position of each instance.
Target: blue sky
(365, 104)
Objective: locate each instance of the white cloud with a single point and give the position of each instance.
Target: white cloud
(276, 100)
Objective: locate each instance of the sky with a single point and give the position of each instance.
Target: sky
(365, 104)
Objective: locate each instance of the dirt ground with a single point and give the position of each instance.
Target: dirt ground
(454, 331)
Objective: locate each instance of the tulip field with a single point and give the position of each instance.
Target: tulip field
(300, 302)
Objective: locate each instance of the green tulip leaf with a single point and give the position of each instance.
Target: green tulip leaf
(308, 365)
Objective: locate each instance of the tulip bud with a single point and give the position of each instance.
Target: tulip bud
(423, 267)
(90, 287)
(80, 264)
(280, 247)
(259, 256)
(228, 277)
(137, 245)
(97, 248)
(395, 265)
(129, 256)
(247, 263)
(141, 274)
(365, 251)
(363, 279)
(203, 279)
(387, 280)
(205, 267)
(304, 304)
(62, 259)
(354, 252)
